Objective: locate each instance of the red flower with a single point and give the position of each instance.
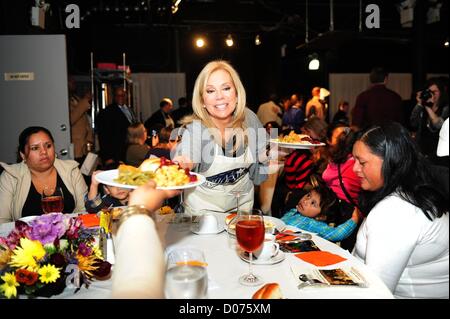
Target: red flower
(26, 277)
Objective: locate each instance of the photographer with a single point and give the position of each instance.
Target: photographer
(428, 115)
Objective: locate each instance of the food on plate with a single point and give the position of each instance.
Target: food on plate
(150, 164)
(163, 171)
(165, 210)
(229, 218)
(268, 291)
(267, 222)
(293, 137)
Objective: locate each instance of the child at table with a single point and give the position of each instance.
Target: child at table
(310, 213)
(113, 196)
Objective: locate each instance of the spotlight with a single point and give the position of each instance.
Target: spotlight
(257, 40)
(229, 41)
(107, 9)
(314, 62)
(446, 43)
(200, 43)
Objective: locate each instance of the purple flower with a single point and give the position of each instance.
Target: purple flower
(47, 228)
(73, 228)
(21, 230)
(84, 249)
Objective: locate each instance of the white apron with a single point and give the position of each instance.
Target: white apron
(223, 176)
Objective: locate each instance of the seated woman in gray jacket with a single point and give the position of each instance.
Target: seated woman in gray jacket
(22, 184)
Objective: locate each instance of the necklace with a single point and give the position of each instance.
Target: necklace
(44, 184)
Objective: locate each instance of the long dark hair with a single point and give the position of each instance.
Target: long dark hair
(404, 171)
(24, 137)
(339, 153)
(443, 98)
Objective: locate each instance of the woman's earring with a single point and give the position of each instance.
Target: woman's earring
(204, 106)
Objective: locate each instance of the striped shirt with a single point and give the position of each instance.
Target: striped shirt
(298, 167)
(338, 233)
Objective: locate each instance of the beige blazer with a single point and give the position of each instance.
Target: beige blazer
(15, 184)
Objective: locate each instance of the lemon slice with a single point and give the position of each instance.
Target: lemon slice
(192, 263)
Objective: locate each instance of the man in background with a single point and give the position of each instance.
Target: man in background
(162, 116)
(184, 109)
(80, 122)
(377, 104)
(270, 111)
(315, 107)
(112, 126)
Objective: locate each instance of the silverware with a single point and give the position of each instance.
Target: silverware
(300, 235)
(307, 281)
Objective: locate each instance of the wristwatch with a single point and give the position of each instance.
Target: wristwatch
(133, 210)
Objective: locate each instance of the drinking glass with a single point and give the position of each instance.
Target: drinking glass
(250, 236)
(237, 193)
(186, 275)
(182, 219)
(52, 201)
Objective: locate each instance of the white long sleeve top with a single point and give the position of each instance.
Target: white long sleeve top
(409, 252)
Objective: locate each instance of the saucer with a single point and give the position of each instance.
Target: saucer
(279, 257)
(195, 230)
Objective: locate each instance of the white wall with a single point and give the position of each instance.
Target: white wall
(150, 88)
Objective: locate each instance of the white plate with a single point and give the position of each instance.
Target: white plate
(279, 224)
(108, 177)
(296, 145)
(195, 230)
(279, 257)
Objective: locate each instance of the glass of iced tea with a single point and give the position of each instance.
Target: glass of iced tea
(250, 236)
(52, 201)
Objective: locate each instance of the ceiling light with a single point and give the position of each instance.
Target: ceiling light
(314, 62)
(175, 6)
(200, 43)
(229, 41)
(446, 43)
(257, 40)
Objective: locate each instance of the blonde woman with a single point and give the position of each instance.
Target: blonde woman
(224, 141)
(137, 149)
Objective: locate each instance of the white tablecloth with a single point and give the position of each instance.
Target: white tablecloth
(225, 267)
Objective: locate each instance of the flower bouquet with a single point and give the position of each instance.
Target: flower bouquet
(50, 253)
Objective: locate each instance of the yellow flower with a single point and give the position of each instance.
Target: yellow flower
(9, 287)
(27, 254)
(86, 264)
(48, 274)
(96, 252)
(5, 256)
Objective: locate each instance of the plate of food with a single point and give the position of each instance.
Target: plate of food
(296, 141)
(270, 224)
(166, 174)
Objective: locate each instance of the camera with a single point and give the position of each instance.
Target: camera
(425, 95)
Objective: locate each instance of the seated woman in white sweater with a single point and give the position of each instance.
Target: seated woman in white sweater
(405, 237)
